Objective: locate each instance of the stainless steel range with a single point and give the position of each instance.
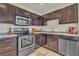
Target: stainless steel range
(26, 41)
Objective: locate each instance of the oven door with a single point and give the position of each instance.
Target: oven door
(24, 42)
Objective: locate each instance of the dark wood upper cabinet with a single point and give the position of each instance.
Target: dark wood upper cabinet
(22, 12)
(52, 15)
(41, 21)
(46, 16)
(69, 14)
(72, 13)
(7, 13)
(65, 15)
(28, 14)
(34, 19)
(19, 11)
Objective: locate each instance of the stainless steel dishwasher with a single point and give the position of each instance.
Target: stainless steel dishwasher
(68, 46)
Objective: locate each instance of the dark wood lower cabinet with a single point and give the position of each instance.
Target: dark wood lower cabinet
(8, 46)
(41, 39)
(10, 53)
(52, 42)
(47, 41)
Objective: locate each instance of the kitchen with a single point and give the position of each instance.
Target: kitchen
(26, 28)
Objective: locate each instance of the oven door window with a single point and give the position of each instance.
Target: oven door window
(26, 42)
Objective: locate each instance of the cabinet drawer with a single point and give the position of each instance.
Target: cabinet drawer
(7, 47)
(10, 53)
(5, 40)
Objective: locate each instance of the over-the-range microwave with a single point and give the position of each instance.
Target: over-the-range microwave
(23, 21)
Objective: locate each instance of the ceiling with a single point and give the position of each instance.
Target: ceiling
(41, 8)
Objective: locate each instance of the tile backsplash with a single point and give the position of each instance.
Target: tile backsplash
(4, 28)
(54, 25)
(51, 26)
(65, 27)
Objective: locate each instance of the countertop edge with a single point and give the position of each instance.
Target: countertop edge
(6, 36)
(53, 33)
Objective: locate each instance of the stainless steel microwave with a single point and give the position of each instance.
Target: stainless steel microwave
(23, 21)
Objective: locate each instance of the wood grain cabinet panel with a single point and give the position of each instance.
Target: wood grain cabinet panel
(72, 13)
(69, 14)
(46, 17)
(34, 19)
(38, 38)
(7, 13)
(63, 16)
(19, 11)
(41, 20)
(41, 40)
(52, 42)
(7, 45)
(10, 53)
(52, 15)
(28, 14)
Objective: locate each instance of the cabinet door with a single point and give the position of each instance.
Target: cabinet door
(72, 13)
(27, 14)
(63, 16)
(7, 44)
(7, 13)
(52, 15)
(34, 19)
(10, 53)
(52, 42)
(38, 40)
(41, 39)
(46, 17)
(40, 20)
(19, 11)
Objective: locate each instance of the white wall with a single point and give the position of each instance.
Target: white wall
(4, 28)
(65, 27)
(53, 25)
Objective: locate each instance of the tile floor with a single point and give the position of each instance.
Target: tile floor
(43, 52)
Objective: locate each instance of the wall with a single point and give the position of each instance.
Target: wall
(53, 25)
(4, 28)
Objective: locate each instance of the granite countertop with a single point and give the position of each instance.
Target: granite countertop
(7, 35)
(57, 33)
